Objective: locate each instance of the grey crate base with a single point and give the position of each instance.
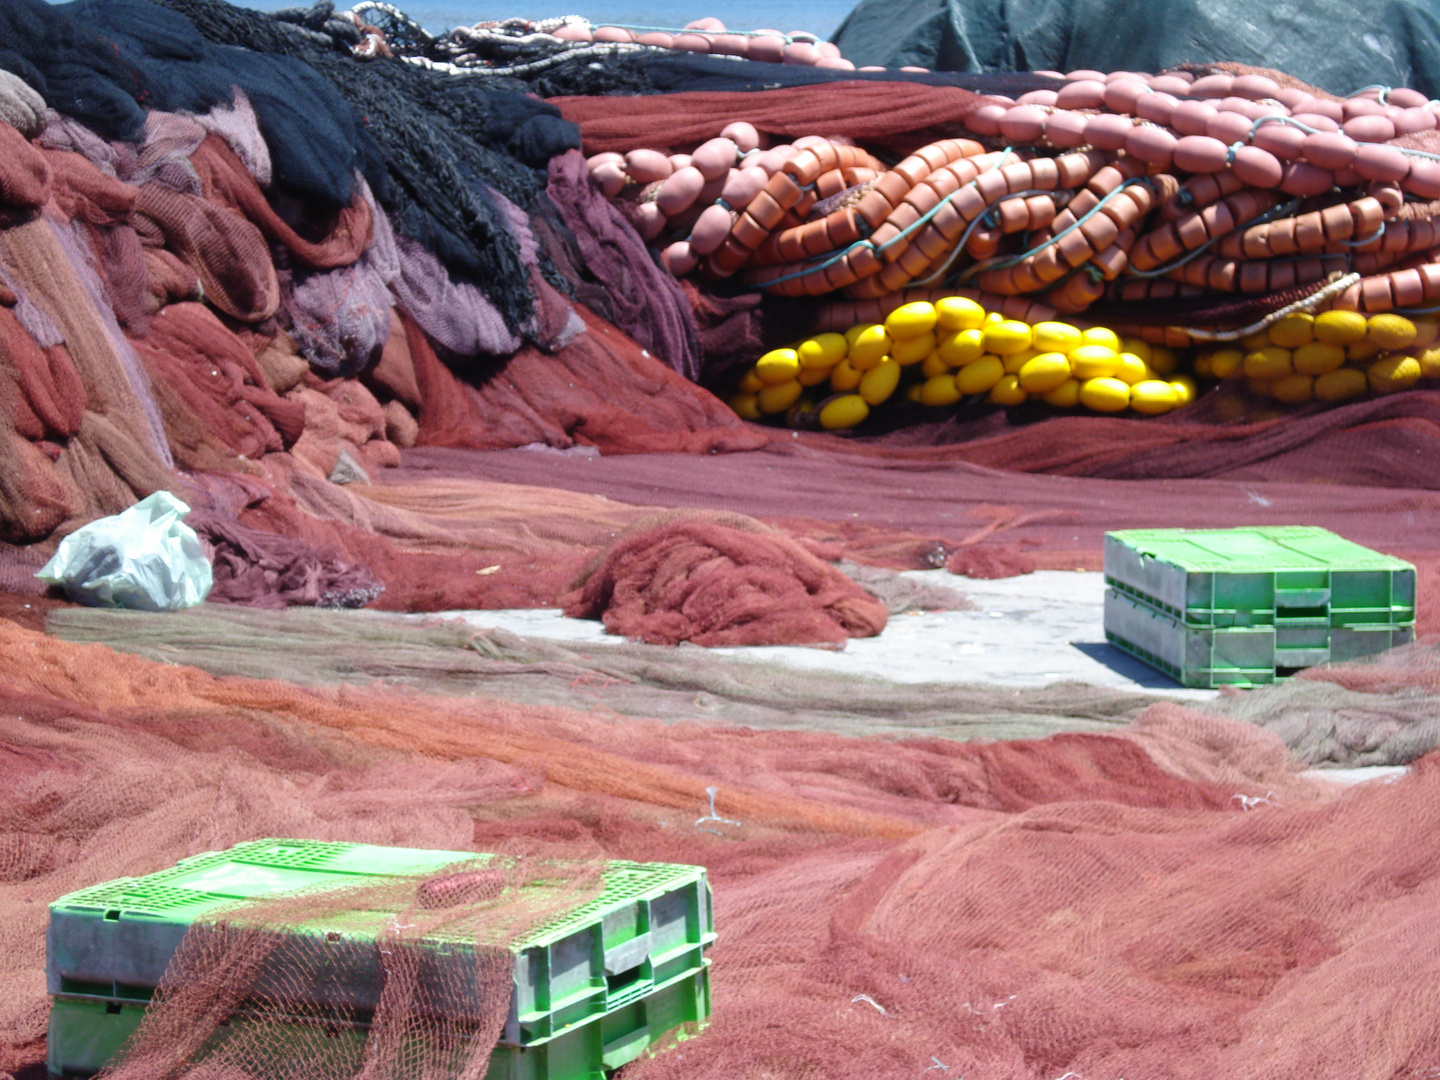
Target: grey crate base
(86, 1034)
(1236, 656)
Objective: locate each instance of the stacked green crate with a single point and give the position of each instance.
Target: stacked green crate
(1253, 605)
(593, 988)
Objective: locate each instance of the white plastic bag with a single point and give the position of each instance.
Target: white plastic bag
(145, 558)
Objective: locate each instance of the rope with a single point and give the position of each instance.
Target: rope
(1308, 303)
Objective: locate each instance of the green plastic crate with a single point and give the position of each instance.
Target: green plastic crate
(86, 1033)
(1239, 655)
(651, 924)
(1281, 576)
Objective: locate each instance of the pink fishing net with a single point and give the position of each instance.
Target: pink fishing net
(225, 388)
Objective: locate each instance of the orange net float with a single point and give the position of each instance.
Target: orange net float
(786, 191)
(1196, 193)
(1193, 231)
(881, 196)
(1418, 285)
(954, 219)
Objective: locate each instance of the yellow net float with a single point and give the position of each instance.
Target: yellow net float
(1341, 384)
(871, 345)
(1393, 373)
(1044, 372)
(1293, 389)
(1331, 357)
(1105, 394)
(1130, 369)
(1064, 396)
(1005, 337)
(911, 350)
(940, 391)
(959, 313)
(1056, 337)
(844, 411)
(935, 354)
(912, 320)
(777, 366)
(1008, 391)
(1389, 331)
(745, 406)
(778, 397)
(1293, 331)
(1340, 327)
(845, 376)
(1151, 397)
(823, 351)
(960, 347)
(877, 384)
(1317, 357)
(1094, 361)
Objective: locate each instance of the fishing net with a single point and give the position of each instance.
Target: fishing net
(615, 275)
(1059, 519)
(430, 1018)
(720, 580)
(437, 173)
(666, 74)
(876, 112)
(883, 906)
(608, 677)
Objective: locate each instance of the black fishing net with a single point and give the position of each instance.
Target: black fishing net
(74, 69)
(432, 145)
(657, 72)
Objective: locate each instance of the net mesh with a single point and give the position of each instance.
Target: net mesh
(882, 905)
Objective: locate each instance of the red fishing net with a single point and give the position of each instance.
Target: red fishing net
(1174, 901)
(897, 115)
(720, 580)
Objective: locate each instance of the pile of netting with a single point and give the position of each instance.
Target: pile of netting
(1175, 210)
(884, 906)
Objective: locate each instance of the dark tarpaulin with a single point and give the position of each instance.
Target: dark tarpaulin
(1333, 44)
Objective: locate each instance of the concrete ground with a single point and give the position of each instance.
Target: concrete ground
(1028, 631)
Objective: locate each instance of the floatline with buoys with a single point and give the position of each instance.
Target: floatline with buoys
(1229, 227)
(1123, 187)
(953, 350)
